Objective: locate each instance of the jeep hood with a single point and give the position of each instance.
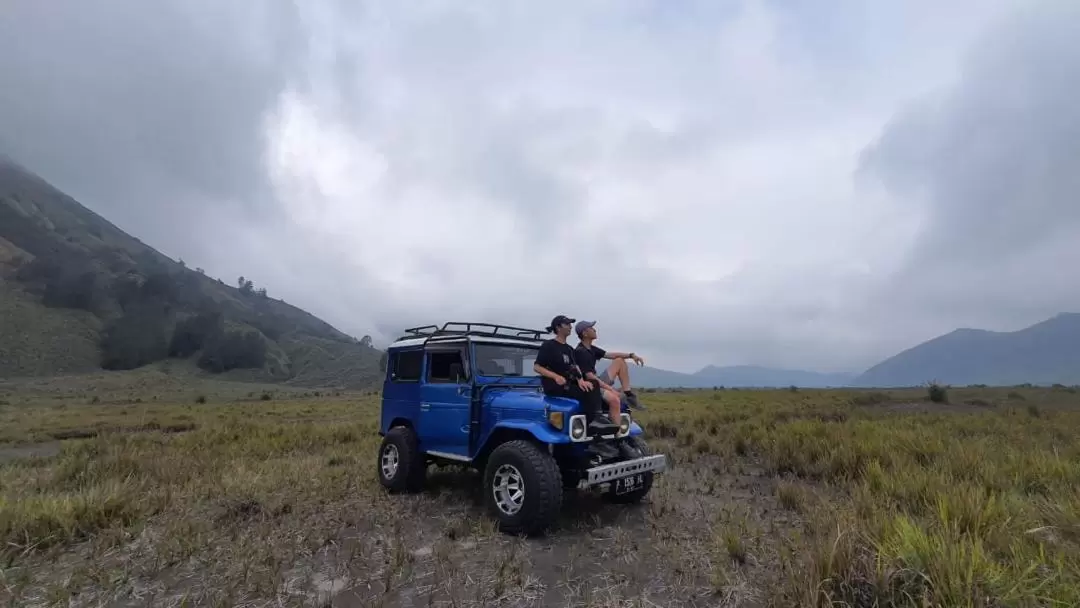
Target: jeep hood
(507, 398)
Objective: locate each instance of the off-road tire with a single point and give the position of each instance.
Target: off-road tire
(411, 470)
(542, 481)
(642, 449)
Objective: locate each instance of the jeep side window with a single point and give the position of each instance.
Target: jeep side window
(447, 366)
(406, 366)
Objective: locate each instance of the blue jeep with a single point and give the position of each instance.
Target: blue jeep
(466, 393)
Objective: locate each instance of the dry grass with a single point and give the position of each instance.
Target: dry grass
(774, 498)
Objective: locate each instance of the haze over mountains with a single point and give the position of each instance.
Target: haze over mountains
(78, 294)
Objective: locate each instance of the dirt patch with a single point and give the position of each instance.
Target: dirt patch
(34, 450)
(927, 407)
(143, 428)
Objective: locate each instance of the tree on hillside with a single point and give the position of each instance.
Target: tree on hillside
(160, 286)
(194, 332)
(75, 288)
(137, 338)
(233, 350)
(365, 341)
(64, 279)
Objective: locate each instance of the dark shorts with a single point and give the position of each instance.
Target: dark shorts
(590, 401)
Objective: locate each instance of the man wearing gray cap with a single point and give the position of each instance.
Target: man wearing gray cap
(587, 354)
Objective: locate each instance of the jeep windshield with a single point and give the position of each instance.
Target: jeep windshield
(505, 360)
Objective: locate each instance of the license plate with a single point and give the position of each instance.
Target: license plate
(629, 484)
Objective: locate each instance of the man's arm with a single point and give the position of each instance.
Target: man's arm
(544, 358)
(576, 374)
(547, 373)
(592, 376)
(617, 355)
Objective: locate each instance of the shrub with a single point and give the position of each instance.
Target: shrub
(193, 333)
(135, 339)
(937, 392)
(233, 350)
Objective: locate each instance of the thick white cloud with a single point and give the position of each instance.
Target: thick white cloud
(694, 175)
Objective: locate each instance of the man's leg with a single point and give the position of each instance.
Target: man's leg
(619, 369)
(592, 402)
(614, 403)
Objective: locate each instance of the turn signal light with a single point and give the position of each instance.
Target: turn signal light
(556, 419)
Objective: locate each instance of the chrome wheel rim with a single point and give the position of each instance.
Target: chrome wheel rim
(508, 488)
(389, 460)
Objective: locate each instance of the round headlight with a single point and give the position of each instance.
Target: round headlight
(577, 427)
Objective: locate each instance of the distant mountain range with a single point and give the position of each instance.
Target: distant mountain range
(1042, 354)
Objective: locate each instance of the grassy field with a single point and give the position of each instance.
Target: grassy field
(133, 493)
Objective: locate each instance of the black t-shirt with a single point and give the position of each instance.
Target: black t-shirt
(559, 358)
(587, 357)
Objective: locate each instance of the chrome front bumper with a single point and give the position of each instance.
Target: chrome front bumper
(607, 473)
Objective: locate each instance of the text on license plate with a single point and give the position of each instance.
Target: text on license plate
(629, 484)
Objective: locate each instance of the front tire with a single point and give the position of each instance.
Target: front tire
(401, 466)
(523, 487)
(637, 445)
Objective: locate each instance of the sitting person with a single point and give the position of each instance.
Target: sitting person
(561, 377)
(587, 354)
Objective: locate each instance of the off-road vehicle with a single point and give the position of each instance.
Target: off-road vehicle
(466, 393)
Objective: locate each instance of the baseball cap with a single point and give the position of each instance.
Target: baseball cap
(559, 320)
(582, 326)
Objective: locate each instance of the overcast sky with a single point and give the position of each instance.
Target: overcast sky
(788, 183)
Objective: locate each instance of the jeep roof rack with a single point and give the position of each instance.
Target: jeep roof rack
(452, 330)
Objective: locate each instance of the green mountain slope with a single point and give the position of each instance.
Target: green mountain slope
(1045, 353)
(78, 294)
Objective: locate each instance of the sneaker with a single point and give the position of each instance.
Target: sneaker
(602, 425)
(605, 450)
(632, 400)
(627, 452)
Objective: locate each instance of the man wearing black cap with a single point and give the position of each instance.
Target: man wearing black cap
(561, 377)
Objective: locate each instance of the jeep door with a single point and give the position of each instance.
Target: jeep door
(445, 401)
(401, 390)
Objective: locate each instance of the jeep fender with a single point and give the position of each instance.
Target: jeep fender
(535, 430)
(542, 431)
(508, 430)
